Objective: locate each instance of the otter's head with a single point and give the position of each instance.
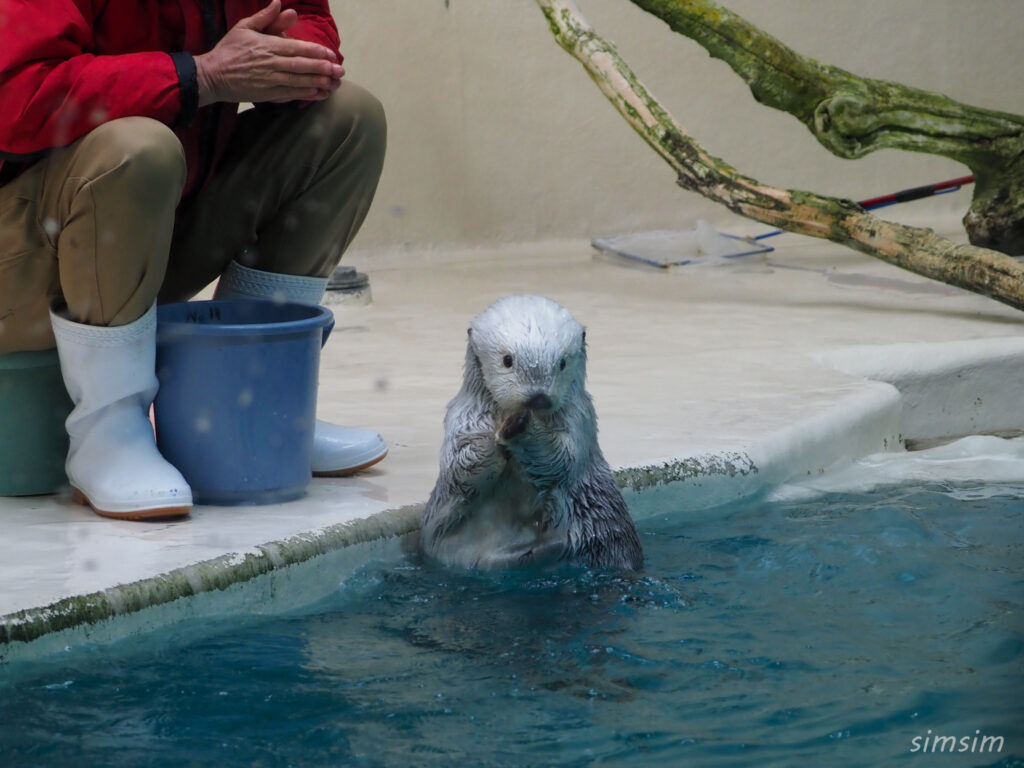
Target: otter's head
(530, 351)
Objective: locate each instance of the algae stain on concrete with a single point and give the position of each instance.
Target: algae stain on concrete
(730, 464)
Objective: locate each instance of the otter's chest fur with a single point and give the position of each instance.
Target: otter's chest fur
(508, 525)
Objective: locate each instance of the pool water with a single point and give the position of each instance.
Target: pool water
(831, 632)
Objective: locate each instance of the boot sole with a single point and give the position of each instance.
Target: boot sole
(351, 470)
(141, 514)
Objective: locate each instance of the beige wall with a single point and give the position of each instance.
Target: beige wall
(498, 136)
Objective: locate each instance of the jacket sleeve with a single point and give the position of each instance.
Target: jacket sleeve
(53, 90)
(315, 24)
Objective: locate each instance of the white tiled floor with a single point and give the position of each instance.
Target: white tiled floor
(697, 359)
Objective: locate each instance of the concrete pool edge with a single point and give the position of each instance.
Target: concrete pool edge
(947, 389)
(868, 417)
(116, 612)
(705, 480)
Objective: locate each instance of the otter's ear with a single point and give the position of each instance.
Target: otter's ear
(584, 339)
(469, 331)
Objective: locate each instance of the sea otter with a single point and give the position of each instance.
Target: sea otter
(522, 478)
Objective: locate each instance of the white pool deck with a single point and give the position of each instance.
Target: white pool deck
(722, 379)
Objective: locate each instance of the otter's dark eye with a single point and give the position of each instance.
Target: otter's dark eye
(507, 361)
(561, 365)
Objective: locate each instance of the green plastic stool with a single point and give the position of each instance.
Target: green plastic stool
(33, 407)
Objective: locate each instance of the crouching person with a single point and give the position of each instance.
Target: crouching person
(128, 177)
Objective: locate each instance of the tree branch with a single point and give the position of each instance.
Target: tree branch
(852, 116)
(918, 250)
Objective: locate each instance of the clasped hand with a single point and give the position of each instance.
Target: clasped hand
(256, 61)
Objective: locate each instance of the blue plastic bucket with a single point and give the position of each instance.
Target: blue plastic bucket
(33, 407)
(237, 402)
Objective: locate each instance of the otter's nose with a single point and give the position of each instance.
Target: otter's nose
(539, 402)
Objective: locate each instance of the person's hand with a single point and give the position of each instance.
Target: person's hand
(256, 61)
(280, 26)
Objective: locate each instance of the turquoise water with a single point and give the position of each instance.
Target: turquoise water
(825, 633)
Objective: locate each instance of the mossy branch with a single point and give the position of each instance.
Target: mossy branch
(918, 250)
(852, 116)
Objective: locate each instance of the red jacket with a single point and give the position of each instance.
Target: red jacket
(67, 66)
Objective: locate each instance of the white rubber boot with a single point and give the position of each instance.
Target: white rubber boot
(113, 463)
(337, 451)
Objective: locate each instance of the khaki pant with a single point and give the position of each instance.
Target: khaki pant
(96, 225)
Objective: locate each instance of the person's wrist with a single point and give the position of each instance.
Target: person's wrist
(204, 83)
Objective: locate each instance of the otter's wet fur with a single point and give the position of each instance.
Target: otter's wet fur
(522, 478)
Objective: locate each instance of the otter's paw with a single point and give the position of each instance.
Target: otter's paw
(514, 425)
